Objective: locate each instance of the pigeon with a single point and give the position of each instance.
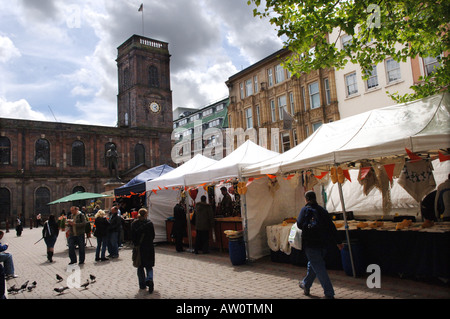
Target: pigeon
(24, 286)
(59, 278)
(92, 278)
(13, 289)
(32, 286)
(60, 289)
(85, 284)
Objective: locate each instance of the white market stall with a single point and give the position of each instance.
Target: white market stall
(162, 196)
(378, 136)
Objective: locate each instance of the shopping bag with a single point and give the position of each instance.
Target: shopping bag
(295, 237)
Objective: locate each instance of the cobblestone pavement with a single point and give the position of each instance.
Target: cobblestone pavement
(186, 276)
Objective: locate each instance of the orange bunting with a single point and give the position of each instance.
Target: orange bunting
(389, 168)
(322, 175)
(413, 157)
(271, 176)
(154, 191)
(347, 174)
(364, 171)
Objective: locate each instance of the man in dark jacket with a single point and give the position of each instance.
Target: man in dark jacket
(318, 231)
(204, 221)
(115, 223)
(142, 235)
(179, 225)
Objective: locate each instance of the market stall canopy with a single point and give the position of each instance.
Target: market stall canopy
(419, 126)
(230, 166)
(176, 177)
(78, 196)
(137, 184)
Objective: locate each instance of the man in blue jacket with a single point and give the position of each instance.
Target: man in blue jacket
(318, 231)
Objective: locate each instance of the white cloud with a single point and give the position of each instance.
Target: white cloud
(7, 49)
(20, 109)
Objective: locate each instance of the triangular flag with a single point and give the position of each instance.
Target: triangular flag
(413, 157)
(154, 191)
(346, 174)
(271, 176)
(389, 168)
(364, 171)
(443, 158)
(141, 7)
(322, 175)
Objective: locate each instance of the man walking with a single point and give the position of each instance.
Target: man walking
(76, 235)
(318, 231)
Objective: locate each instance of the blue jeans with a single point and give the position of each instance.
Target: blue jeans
(316, 267)
(73, 241)
(8, 263)
(113, 244)
(142, 278)
(102, 243)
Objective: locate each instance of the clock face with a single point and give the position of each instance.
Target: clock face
(154, 107)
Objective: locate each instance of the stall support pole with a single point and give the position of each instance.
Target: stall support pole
(346, 228)
(244, 209)
(188, 217)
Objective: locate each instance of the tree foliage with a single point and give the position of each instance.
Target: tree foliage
(379, 29)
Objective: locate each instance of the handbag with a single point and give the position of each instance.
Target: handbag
(136, 253)
(295, 237)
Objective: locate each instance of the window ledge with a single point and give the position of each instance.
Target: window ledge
(352, 96)
(394, 83)
(374, 89)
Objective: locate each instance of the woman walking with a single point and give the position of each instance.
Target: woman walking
(101, 232)
(50, 234)
(142, 235)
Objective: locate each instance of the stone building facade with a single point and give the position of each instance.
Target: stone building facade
(259, 93)
(43, 161)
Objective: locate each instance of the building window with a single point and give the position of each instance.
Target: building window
(281, 105)
(294, 137)
(182, 122)
(195, 117)
(316, 126)
(272, 110)
(372, 81)
(270, 76)
(431, 64)
(241, 89)
(248, 87)
(5, 151)
(258, 116)
(279, 74)
(214, 123)
(153, 77)
(314, 97)
(326, 84)
(42, 149)
(304, 98)
(275, 142)
(346, 40)
(139, 154)
(255, 83)
(219, 107)
(248, 117)
(5, 203)
(285, 142)
(78, 157)
(207, 112)
(41, 199)
(350, 83)
(393, 70)
(291, 101)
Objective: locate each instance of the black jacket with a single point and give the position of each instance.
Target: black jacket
(144, 230)
(101, 227)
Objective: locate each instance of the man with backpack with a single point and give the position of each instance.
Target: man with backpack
(318, 231)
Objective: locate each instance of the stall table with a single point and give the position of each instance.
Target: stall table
(414, 251)
(221, 224)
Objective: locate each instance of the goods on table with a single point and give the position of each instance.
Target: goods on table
(234, 233)
(403, 224)
(427, 223)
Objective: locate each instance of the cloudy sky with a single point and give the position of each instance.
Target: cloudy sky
(57, 57)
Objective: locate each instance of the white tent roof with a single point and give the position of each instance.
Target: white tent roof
(230, 166)
(176, 177)
(420, 126)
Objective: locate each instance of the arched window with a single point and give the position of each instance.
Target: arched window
(5, 151)
(139, 154)
(78, 153)
(42, 157)
(153, 77)
(5, 204)
(42, 198)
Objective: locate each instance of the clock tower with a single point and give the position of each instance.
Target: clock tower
(145, 97)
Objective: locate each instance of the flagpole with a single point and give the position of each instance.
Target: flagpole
(141, 9)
